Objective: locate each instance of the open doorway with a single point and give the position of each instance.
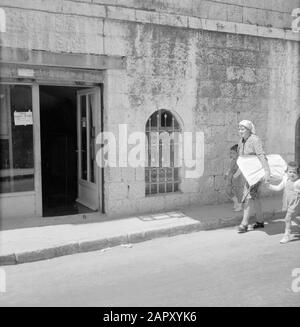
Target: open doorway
(59, 146)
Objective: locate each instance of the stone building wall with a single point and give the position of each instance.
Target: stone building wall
(212, 81)
(180, 59)
(274, 13)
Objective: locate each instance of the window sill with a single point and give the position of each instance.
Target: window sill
(17, 194)
(163, 194)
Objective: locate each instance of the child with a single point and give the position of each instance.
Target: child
(232, 176)
(291, 197)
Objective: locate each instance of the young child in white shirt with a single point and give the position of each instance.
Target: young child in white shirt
(290, 185)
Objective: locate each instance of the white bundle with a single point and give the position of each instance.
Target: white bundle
(253, 171)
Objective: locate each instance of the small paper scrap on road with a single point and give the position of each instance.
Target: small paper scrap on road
(126, 245)
(104, 250)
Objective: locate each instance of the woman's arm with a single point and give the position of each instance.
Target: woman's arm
(266, 167)
(259, 151)
(278, 187)
(237, 174)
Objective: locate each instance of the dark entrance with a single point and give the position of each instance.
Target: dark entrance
(58, 116)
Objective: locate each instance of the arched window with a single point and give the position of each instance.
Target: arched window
(162, 171)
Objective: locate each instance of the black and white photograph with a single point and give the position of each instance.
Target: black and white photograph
(149, 156)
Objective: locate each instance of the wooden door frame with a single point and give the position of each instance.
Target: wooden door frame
(98, 116)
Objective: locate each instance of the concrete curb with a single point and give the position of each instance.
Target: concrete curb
(134, 237)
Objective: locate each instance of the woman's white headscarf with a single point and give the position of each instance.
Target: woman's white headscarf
(248, 124)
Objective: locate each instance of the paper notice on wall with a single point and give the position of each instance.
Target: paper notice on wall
(23, 118)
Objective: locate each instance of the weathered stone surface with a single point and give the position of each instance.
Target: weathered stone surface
(113, 174)
(140, 174)
(190, 186)
(209, 80)
(92, 245)
(245, 74)
(47, 253)
(117, 191)
(136, 190)
(153, 203)
(9, 259)
(128, 174)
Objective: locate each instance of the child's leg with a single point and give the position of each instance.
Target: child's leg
(287, 233)
(230, 193)
(258, 210)
(288, 222)
(238, 188)
(247, 210)
(228, 190)
(238, 206)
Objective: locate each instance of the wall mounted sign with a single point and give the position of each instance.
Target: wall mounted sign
(23, 118)
(24, 72)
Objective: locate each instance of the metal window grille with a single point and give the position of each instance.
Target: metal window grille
(161, 175)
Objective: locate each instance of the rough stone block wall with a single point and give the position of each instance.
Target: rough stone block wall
(275, 13)
(210, 80)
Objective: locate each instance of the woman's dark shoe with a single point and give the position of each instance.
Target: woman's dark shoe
(242, 229)
(258, 225)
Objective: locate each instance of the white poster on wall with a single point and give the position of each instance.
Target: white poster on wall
(23, 118)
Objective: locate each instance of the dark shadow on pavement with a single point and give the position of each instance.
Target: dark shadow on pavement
(274, 228)
(277, 227)
(296, 237)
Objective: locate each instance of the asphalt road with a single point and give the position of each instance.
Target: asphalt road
(208, 268)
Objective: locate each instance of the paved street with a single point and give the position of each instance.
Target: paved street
(208, 268)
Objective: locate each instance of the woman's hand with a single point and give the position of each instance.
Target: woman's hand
(237, 174)
(267, 178)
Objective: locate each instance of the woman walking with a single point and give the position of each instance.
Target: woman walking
(250, 144)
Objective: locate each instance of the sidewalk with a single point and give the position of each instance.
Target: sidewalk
(45, 242)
